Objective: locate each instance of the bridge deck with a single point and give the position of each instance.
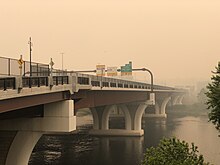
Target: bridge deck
(32, 91)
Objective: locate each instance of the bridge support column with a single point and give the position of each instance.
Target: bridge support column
(179, 100)
(174, 101)
(21, 147)
(160, 108)
(132, 116)
(163, 106)
(57, 118)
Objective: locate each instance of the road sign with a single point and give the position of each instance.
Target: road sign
(20, 61)
(126, 70)
(51, 62)
(100, 70)
(111, 71)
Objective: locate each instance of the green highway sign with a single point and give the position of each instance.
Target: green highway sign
(126, 69)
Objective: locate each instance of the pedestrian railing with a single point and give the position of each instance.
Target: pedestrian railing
(99, 81)
(11, 67)
(60, 80)
(7, 83)
(34, 81)
(82, 79)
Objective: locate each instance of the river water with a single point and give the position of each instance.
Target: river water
(186, 123)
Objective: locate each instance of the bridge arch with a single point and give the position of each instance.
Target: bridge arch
(127, 117)
(132, 116)
(159, 109)
(163, 105)
(22, 147)
(138, 115)
(95, 118)
(101, 116)
(175, 99)
(180, 99)
(105, 116)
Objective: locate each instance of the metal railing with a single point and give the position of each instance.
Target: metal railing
(83, 79)
(7, 83)
(34, 81)
(29, 82)
(60, 80)
(10, 67)
(98, 81)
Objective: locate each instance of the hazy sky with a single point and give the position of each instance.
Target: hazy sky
(176, 39)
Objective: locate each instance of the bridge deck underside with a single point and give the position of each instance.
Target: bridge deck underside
(88, 99)
(33, 100)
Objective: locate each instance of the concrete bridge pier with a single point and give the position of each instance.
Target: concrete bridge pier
(159, 108)
(132, 113)
(163, 105)
(174, 99)
(21, 147)
(57, 118)
(179, 100)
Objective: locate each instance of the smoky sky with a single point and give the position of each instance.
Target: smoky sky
(177, 39)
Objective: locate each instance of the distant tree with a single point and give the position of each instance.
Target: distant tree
(173, 152)
(202, 98)
(213, 95)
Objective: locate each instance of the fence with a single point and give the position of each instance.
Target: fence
(28, 82)
(34, 81)
(10, 67)
(7, 83)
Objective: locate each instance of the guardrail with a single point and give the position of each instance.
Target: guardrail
(99, 81)
(60, 80)
(34, 81)
(7, 83)
(82, 79)
(40, 73)
(28, 82)
(10, 67)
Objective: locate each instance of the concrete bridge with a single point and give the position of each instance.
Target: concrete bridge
(33, 106)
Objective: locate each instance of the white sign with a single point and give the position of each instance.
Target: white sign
(111, 71)
(100, 70)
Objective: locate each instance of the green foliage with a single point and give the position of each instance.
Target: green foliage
(173, 152)
(213, 95)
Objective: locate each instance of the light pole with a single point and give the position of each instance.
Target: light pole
(152, 94)
(152, 78)
(151, 75)
(62, 60)
(31, 44)
(101, 85)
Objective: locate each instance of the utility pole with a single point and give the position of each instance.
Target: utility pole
(31, 44)
(62, 60)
